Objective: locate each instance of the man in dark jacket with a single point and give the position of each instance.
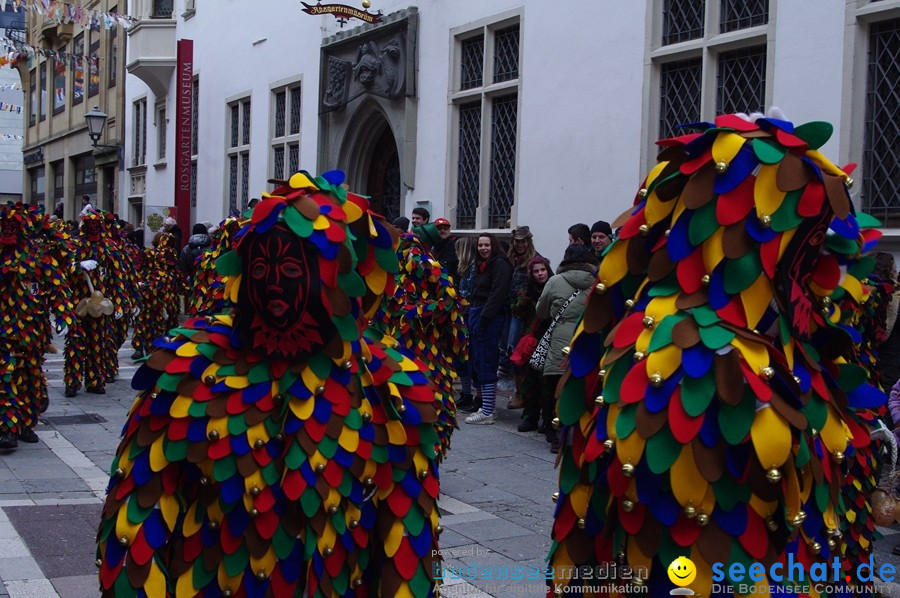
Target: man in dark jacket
(197, 243)
(444, 249)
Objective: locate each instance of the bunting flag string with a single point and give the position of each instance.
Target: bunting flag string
(10, 86)
(7, 137)
(7, 107)
(17, 51)
(64, 12)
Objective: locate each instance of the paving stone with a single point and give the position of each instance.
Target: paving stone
(77, 586)
(56, 485)
(520, 548)
(19, 568)
(31, 588)
(490, 529)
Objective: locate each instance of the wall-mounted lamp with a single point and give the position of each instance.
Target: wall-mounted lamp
(96, 120)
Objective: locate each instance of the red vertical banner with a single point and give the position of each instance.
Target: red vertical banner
(184, 101)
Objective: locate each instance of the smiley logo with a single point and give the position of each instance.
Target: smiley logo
(682, 571)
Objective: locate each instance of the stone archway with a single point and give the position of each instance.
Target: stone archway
(372, 161)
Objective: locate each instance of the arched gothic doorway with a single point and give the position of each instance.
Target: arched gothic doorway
(383, 178)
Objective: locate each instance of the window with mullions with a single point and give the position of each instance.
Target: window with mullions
(881, 155)
(32, 97)
(113, 50)
(679, 102)
(43, 107)
(78, 69)
(59, 86)
(742, 14)
(94, 64)
(285, 131)
(238, 156)
(485, 108)
(682, 20)
(139, 153)
(742, 81)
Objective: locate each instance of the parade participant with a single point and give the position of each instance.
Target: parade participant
(101, 291)
(128, 276)
(277, 451)
(29, 279)
(425, 314)
(207, 286)
(712, 405)
(159, 285)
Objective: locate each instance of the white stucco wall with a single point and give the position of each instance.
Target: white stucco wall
(582, 124)
(11, 123)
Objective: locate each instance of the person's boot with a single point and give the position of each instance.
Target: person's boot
(28, 435)
(70, 392)
(466, 403)
(528, 425)
(8, 440)
(96, 390)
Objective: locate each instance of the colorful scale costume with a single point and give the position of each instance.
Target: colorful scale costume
(424, 313)
(91, 353)
(31, 282)
(160, 282)
(208, 290)
(278, 452)
(712, 403)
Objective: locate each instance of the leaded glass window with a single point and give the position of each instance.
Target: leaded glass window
(279, 113)
(285, 135)
(680, 95)
(741, 14)
(506, 54)
(233, 185)
(742, 81)
(469, 165)
(503, 159)
(881, 154)
(278, 163)
(682, 20)
(235, 116)
(472, 63)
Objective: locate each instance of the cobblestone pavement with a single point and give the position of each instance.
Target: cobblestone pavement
(497, 485)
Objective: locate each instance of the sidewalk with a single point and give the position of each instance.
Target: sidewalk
(496, 499)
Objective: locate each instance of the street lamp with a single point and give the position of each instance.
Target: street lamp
(96, 120)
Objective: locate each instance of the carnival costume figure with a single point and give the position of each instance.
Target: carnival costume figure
(713, 405)
(208, 287)
(104, 294)
(425, 314)
(30, 278)
(129, 275)
(159, 289)
(277, 451)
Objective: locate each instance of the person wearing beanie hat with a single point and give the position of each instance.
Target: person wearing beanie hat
(402, 223)
(601, 237)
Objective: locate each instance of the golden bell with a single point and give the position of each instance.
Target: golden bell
(369, 482)
(213, 434)
(773, 475)
(423, 474)
(656, 380)
(628, 470)
(261, 574)
(319, 390)
(601, 373)
(99, 562)
(849, 182)
(644, 230)
(367, 417)
(668, 230)
(721, 167)
(210, 380)
(402, 408)
(227, 592)
(839, 456)
(254, 491)
(347, 364)
(702, 519)
(599, 400)
(279, 437)
(359, 581)
(797, 379)
(638, 355)
(439, 529)
(332, 510)
(815, 547)
(642, 193)
(768, 373)
(328, 551)
(704, 280)
(638, 581)
(213, 524)
(320, 468)
(119, 471)
(814, 432)
(123, 540)
(582, 523)
(555, 423)
(554, 497)
(259, 444)
(204, 481)
(600, 288)
(609, 444)
(627, 506)
(771, 524)
(648, 322)
(629, 303)
(254, 512)
(353, 524)
(558, 591)
(566, 350)
(690, 512)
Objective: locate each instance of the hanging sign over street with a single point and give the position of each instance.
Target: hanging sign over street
(342, 12)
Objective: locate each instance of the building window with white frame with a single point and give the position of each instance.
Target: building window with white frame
(485, 99)
(880, 193)
(161, 131)
(139, 149)
(237, 155)
(699, 73)
(285, 130)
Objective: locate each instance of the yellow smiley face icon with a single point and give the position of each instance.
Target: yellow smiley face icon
(682, 571)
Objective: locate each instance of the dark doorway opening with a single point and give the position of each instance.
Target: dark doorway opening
(383, 181)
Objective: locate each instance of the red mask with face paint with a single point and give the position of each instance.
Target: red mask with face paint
(9, 231)
(280, 310)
